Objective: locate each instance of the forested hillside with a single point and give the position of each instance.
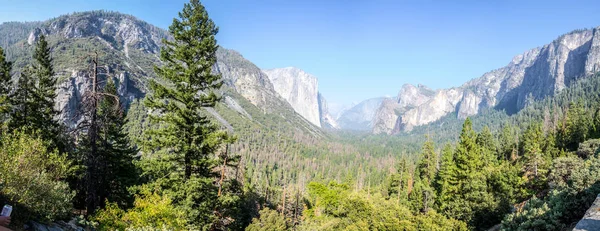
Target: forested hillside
(126, 126)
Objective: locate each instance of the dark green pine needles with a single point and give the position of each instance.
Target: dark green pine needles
(186, 141)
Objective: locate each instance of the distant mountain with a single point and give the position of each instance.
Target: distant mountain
(301, 90)
(360, 116)
(531, 76)
(128, 49)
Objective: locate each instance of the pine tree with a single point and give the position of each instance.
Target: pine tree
(428, 164)
(45, 90)
(5, 84)
(471, 200)
(187, 139)
(426, 170)
(507, 147)
(445, 178)
(116, 152)
(486, 141)
(535, 164)
(23, 102)
(34, 104)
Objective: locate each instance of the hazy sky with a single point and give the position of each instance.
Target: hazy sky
(361, 49)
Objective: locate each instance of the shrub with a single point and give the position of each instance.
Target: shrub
(269, 220)
(151, 211)
(31, 179)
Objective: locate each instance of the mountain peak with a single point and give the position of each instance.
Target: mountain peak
(119, 30)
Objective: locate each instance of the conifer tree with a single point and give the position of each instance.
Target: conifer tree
(23, 102)
(445, 178)
(188, 140)
(35, 97)
(427, 166)
(507, 149)
(486, 141)
(471, 198)
(426, 170)
(45, 89)
(5, 84)
(116, 151)
(534, 162)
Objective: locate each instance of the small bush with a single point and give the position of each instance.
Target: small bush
(150, 210)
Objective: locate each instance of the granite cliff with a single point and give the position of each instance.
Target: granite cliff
(533, 75)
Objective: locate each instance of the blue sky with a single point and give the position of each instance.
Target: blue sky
(361, 49)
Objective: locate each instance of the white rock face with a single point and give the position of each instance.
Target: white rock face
(300, 89)
(533, 75)
(327, 120)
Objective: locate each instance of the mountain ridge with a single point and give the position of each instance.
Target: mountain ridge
(536, 73)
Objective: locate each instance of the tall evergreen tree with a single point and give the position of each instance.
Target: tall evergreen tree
(45, 89)
(426, 170)
(116, 151)
(5, 84)
(23, 102)
(486, 141)
(35, 101)
(445, 178)
(188, 139)
(507, 149)
(534, 162)
(471, 201)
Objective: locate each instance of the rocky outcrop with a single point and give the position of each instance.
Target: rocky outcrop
(327, 120)
(246, 79)
(129, 50)
(298, 88)
(533, 75)
(591, 219)
(386, 116)
(360, 116)
(394, 115)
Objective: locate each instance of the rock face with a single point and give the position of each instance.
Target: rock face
(591, 219)
(300, 89)
(128, 50)
(360, 116)
(246, 79)
(327, 120)
(533, 75)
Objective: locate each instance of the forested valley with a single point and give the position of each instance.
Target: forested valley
(164, 162)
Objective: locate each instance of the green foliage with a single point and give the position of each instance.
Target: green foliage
(268, 220)
(185, 141)
(588, 148)
(5, 83)
(31, 178)
(535, 167)
(335, 207)
(151, 210)
(115, 152)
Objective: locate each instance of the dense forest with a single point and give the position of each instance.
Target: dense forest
(164, 163)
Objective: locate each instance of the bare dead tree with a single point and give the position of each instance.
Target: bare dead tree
(93, 161)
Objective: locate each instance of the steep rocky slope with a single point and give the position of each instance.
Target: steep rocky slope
(533, 75)
(301, 90)
(128, 49)
(326, 119)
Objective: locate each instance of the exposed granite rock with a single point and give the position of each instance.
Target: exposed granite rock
(327, 121)
(361, 116)
(533, 75)
(300, 89)
(246, 79)
(386, 116)
(443, 102)
(591, 219)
